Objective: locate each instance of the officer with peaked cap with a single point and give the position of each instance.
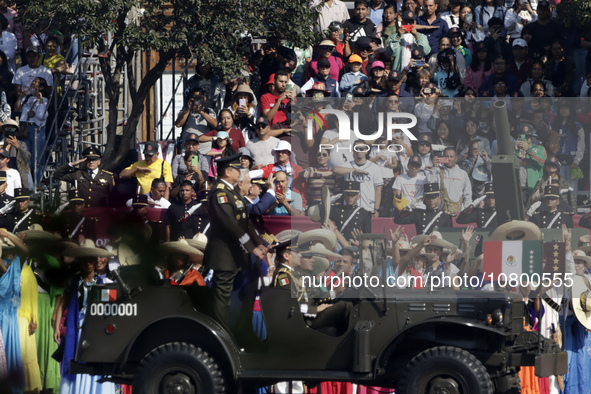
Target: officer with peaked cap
(348, 216)
(94, 184)
(232, 237)
(548, 215)
(75, 223)
(22, 216)
(485, 217)
(426, 220)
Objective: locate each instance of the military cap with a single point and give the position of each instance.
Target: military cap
(151, 148)
(351, 187)
(552, 160)
(140, 200)
(290, 244)
(2, 177)
(551, 191)
(229, 161)
(91, 153)
(431, 189)
(22, 194)
(488, 189)
(425, 139)
(416, 159)
(74, 195)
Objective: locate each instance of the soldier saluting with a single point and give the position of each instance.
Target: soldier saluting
(485, 217)
(22, 216)
(232, 236)
(425, 220)
(93, 183)
(548, 215)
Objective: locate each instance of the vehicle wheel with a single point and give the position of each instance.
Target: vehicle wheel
(178, 368)
(445, 369)
(508, 384)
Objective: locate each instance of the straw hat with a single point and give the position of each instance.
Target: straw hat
(36, 232)
(439, 241)
(424, 253)
(6, 243)
(321, 264)
(87, 249)
(582, 300)
(403, 246)
(580, 255)
(323, 236)
(320, 250)
(517, 230)
(183, 247)
(199, 241)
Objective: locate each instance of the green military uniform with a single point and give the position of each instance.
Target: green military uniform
(231, 239)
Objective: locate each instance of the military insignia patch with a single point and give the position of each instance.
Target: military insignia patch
(222, 199)
(237, 217)
(239, 204)
(284, 281)
(221, 186)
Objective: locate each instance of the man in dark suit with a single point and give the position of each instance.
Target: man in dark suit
(425, 220)
(232, 237)
(485, 217)
(93, 183)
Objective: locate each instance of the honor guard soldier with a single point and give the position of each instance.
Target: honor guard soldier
(21, 217)
(186, 217)
(5, 199)
(483, 217)
(232, 236)
(425, 220)
(548, 215)
(93, 183)
(286, 254)
(77, 224)
(348, 216)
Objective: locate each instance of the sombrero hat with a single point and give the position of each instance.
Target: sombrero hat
(580, 255)
(183, 247)
(439, 241)
(581, 292)
(517, 230)
(320, 250)
(199, 241)
(323, 236)
(36, 232)
(321, 212)
(87, 249)
(424, 253)
(403, 246)
(6, 243)
(321, 264)
(586, 249)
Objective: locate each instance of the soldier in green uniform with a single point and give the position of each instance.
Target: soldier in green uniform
(94, 184)
(232, 237)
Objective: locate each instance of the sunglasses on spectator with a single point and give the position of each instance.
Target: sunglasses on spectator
(320, 154)
(326, 48)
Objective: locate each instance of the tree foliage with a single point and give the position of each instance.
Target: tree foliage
(575, 13)
(209, 30)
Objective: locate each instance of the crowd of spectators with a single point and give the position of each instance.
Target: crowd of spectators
(447, 64)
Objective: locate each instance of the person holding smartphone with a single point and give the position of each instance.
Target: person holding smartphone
(407, 38)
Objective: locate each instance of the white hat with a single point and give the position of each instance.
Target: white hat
(517, 230)
(198, 241)
(580, 255)
(282, 145)
(520, 42)
(581, 292)
(323, 236)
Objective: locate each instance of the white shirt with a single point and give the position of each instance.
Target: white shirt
(24, 76)
(367, 182)
(8, 45)
(13, 181)
(457, 184)
(337, 12)
(410, 188)
(39, 107)
(159, 204)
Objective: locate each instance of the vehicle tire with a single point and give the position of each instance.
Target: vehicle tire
(508, 384)
(178, 367)
(445, 369)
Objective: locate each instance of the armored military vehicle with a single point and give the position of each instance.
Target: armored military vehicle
(161, 339)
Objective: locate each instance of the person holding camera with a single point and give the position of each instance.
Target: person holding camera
(448, 78)
(407, 38)
(17, 149)
(197, 118)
